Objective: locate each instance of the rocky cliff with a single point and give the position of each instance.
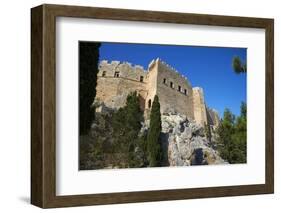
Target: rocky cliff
(184, 142)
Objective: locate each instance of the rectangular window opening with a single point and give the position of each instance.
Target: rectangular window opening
(116, 74)
(172, 85)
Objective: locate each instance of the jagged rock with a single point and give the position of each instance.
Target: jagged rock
(186, 143)
(197, 129)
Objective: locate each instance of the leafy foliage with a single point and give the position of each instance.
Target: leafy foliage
(153, 137)
(114, 140)
(126, 124)
(238, 66)
(95, 147)
(88, 69)
(232, 134)
(207, 132)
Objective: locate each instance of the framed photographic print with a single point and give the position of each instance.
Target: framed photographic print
(136, 106)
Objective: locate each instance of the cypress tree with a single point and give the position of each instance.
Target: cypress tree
(153, 137)
(88, 69)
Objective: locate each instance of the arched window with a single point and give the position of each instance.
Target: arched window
(185, 91)
(164, 81)
(149, 103)
(141, 78)
(103, 73)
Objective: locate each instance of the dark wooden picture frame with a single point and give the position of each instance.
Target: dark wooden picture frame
(43, 105)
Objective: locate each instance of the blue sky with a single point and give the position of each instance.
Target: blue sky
(206, 67)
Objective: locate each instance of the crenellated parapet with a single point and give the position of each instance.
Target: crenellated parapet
(119, 69)
(170, 69)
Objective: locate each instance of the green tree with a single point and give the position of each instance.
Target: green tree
(207, 131)
(232, 134)
(238, 66)
(243, 110)
(126, 124)
(96, 147)
(88, 69)
(225, 130)
(240, 136)
(153, 137)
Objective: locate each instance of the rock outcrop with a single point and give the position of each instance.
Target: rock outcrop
(185, 142)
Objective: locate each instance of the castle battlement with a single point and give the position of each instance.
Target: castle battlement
(176, 73)
(126, 70)
(199, 89)
(117, 79)
(111, 64)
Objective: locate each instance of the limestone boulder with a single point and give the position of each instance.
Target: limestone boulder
(186, 143)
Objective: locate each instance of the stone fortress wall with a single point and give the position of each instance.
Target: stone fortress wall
(199, 106)
(116, 80)
(174, 90)
(213, 117)
(151, 87)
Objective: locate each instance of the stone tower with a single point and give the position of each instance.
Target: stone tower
(200, 111)
(174, 90)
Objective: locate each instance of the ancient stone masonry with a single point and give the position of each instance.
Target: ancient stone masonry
(213, 117)
(116, 80)
(200, 112)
